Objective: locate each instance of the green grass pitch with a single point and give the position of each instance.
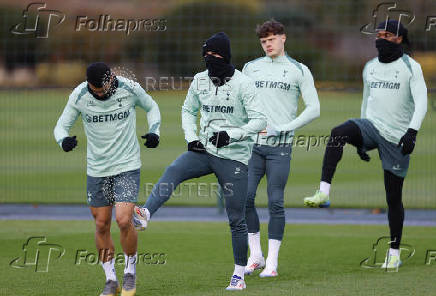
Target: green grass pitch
(314, 260)
(35, 169)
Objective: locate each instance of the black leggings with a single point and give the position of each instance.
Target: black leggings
(347, 132)
(350, 133)
(394, 189)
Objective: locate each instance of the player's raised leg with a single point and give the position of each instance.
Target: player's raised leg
(105, 248)
(256, 170)
(347, 132)
(187, 166)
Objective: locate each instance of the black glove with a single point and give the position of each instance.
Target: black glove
(408, 141)
(68, 143)
(363, 155)
(196, 146)
(152, 140)
(220, 139)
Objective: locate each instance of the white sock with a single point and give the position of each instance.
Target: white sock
(239, 271)
(130, 262)
(394, 252)
(324, 187)
(254, 244)
(147, 213)
(109, 270)
(273, 254)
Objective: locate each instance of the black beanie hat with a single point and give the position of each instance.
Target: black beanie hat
(396, 28)
(97, 73)
(220, 44)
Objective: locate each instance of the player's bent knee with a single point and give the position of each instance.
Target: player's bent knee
(123, 222)
(276, 208)
(337, 131)
(238, 226)
(236, 218)
(338, 136)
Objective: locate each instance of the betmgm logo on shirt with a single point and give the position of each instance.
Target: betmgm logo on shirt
(107, 117)
(385, 84)
(218, 108)
(273, 84)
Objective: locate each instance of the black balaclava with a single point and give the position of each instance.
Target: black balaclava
(97, 74)
(220, 69)
(390, 51)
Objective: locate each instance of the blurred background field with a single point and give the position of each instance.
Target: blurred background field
(325, 35)
(37, 74)
(35, 169)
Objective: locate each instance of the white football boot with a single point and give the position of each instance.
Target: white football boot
(236, 283)
(141, 216)
(254, 264)
(268, 272)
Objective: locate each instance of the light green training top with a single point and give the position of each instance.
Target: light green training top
(280, 82)
(232, 107)
(394, 96)
(110, 126)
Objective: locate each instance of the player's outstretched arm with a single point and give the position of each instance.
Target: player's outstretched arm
(311, 101)
(64, 124)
